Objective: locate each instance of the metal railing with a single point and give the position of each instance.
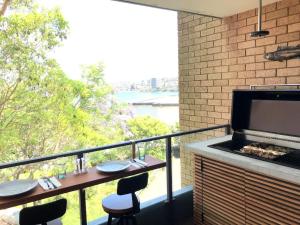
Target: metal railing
(81, 152)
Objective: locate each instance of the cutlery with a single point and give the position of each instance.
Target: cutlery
(53, 185)
(47, 183)
(134, 164)
(140, 164)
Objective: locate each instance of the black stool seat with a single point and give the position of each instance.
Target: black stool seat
(118, 204)
(46, 214)
(125, 204)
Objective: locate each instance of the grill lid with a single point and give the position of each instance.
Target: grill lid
(274, 111)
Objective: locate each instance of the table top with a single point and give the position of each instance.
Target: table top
(74, 182)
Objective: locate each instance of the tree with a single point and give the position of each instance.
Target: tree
(42, 111)
(146, 126)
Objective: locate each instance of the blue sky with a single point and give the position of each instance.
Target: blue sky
(134, 42)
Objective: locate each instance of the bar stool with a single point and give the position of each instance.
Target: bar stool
(125, 204)
(46, 214)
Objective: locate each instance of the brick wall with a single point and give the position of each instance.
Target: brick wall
(218, 55)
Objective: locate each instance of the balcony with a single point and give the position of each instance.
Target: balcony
(176, 207)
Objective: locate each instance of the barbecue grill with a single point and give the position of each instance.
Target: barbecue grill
(266, 126)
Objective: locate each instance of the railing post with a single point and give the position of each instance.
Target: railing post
(82, 200)
(169, 169)
(228, 129)
(133, 149)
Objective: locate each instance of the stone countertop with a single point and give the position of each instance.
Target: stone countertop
(251, 164)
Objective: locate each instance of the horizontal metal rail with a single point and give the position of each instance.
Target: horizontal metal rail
(105, 147)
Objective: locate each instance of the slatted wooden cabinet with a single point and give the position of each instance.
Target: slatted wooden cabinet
(228, 195)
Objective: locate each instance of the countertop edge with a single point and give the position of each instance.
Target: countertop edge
(270, 169)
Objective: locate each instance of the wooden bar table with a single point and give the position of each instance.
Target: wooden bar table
(79, 182)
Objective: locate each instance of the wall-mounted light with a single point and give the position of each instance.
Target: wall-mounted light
(259, 32)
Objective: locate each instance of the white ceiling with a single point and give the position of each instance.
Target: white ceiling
(216, 8)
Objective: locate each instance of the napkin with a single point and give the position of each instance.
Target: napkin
(44, 185)
(140, 162)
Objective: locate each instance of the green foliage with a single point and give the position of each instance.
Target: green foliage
(146, 126)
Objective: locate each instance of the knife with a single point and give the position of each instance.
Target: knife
(140, 164)
(52, 186)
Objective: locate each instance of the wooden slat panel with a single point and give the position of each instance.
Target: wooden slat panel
(198, 191)
(229, 195)
(223, 191)
(271, 201)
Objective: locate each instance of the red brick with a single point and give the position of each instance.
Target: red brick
(269, 8)
(207, 32)
(236, 39)
(207, 83)
(220, 42)
(214, 50)
(278, 30)
(252, 20)
(214, 23)
(269, 24)
(221, 69)
(229, 61)
(265, 73)
(286, 3)
(221, 28)
(214, 37)
(223, 55)
(214, 76)
(237, 82)
(236, 68)
(293, 80)
(229, 75)
(294, 27)
(200, 27)
(220, 82)
(246, 74)
(293, 63)
(275, 65)
(275, 80)
(255, 51)
(237, 24)
(277, 14)
(246, 14)
(237, 53)
(288, 72)
(214, 102)
(246, 30)
(214, 89)
(255, 66)
(288, 37)
(288, 20)
(246, 44)
(214, 63)
(255, 81)
(265, 41)
(246, 59)
(294, 10)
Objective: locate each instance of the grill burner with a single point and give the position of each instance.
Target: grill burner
(265, 150)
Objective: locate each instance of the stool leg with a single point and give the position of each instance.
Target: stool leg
(134, 222)
(109, 221)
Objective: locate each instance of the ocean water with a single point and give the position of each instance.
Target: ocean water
(167, 114)
(137, 96)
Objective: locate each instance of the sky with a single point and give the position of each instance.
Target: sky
(133, 42)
